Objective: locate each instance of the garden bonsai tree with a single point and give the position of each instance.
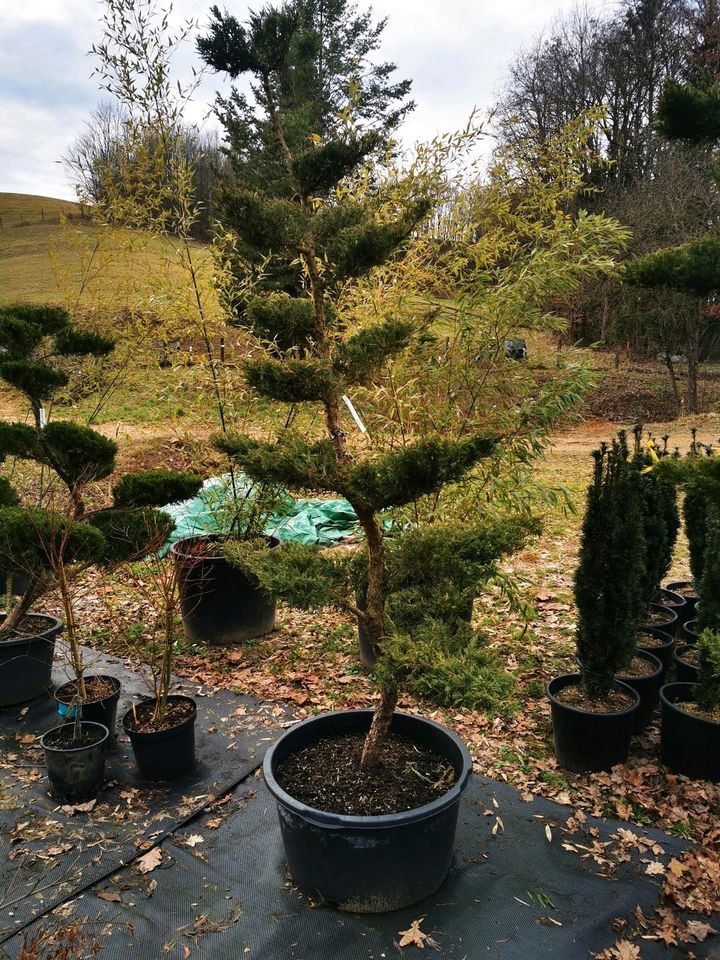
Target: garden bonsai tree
(55, 539)
(611, 570)
(305, 245)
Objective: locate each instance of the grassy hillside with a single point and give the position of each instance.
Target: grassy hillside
(51, 253)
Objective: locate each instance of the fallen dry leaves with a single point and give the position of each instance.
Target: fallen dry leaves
(150, 860)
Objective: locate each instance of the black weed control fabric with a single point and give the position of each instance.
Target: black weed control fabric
(49, 853)
(528, 892)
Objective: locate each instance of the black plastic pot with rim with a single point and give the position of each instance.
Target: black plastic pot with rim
(101, 710)
(163, 754)
(75, 773)
(369, 864)
(647, 688)
(220, 604)
(586, 740)
(689, 632)
(689, 745)
(26, 662)
(673, 601)
(688, 611)
(685, 671)
(669, 622)
(662, 645)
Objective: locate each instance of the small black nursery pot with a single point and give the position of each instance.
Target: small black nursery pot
(75, 764)
(166, 754)
(685, 671)
(659, 642)
(689, 744)
(99, 709)
(685, 589)
(26, 661)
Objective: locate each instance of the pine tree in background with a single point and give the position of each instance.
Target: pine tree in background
(609, 577)
(309, 59)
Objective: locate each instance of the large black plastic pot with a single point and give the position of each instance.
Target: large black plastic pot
(369, 864)
(688, 611)
(26, 662)
(685, 672)
(662, 648)
(219, 603)
(164, 754)
(75, 773)
(689, 745)
(102, 711)
(587, 741)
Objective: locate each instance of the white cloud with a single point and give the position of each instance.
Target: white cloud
(455, 52)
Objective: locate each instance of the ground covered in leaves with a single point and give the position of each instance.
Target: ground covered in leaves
(310, 663)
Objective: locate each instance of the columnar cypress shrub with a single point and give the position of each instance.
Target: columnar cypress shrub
(611, 569)
(661, 519)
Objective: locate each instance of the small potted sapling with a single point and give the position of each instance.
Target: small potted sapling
(161, 728)
(593, 712)
(35, 346)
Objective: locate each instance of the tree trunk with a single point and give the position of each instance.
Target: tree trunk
(379, 728)
(673, 381)
(693, 355)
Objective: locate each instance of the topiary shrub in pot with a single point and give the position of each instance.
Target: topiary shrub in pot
(593, 714)
(319, 254)
(37, 344)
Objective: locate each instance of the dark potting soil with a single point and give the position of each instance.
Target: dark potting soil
(28, 627)
(688, 592)
(667, 601)
(64, 738)
(691, 656)
(575, 696)
(656, 618)
(327, 776)
(142, 716)
(650, 640)
(689, 706)
(96, 688)
(638, 667)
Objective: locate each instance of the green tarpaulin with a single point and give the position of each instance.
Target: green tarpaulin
(304, 521)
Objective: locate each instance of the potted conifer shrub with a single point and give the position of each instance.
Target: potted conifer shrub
(220, 603)
(36, 343)
(593, 713)
(304, 242)
(690, 730)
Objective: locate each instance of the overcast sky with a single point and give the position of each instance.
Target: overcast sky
(455, 51)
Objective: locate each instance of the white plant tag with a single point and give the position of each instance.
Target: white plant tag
(353, 411)
(43, 418)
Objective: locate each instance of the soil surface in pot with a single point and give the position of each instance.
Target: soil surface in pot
(141, 718)
(666, 601)
(689, 706)
(650, 640)
(638, 667)
(575, 696)
(687, 592)
(327, 776)
(656, 618)
(29, 627)
(63, 738)
(96, 688)
(690, 656)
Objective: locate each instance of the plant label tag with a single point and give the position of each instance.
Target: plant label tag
(353, 411)
(43, 417)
